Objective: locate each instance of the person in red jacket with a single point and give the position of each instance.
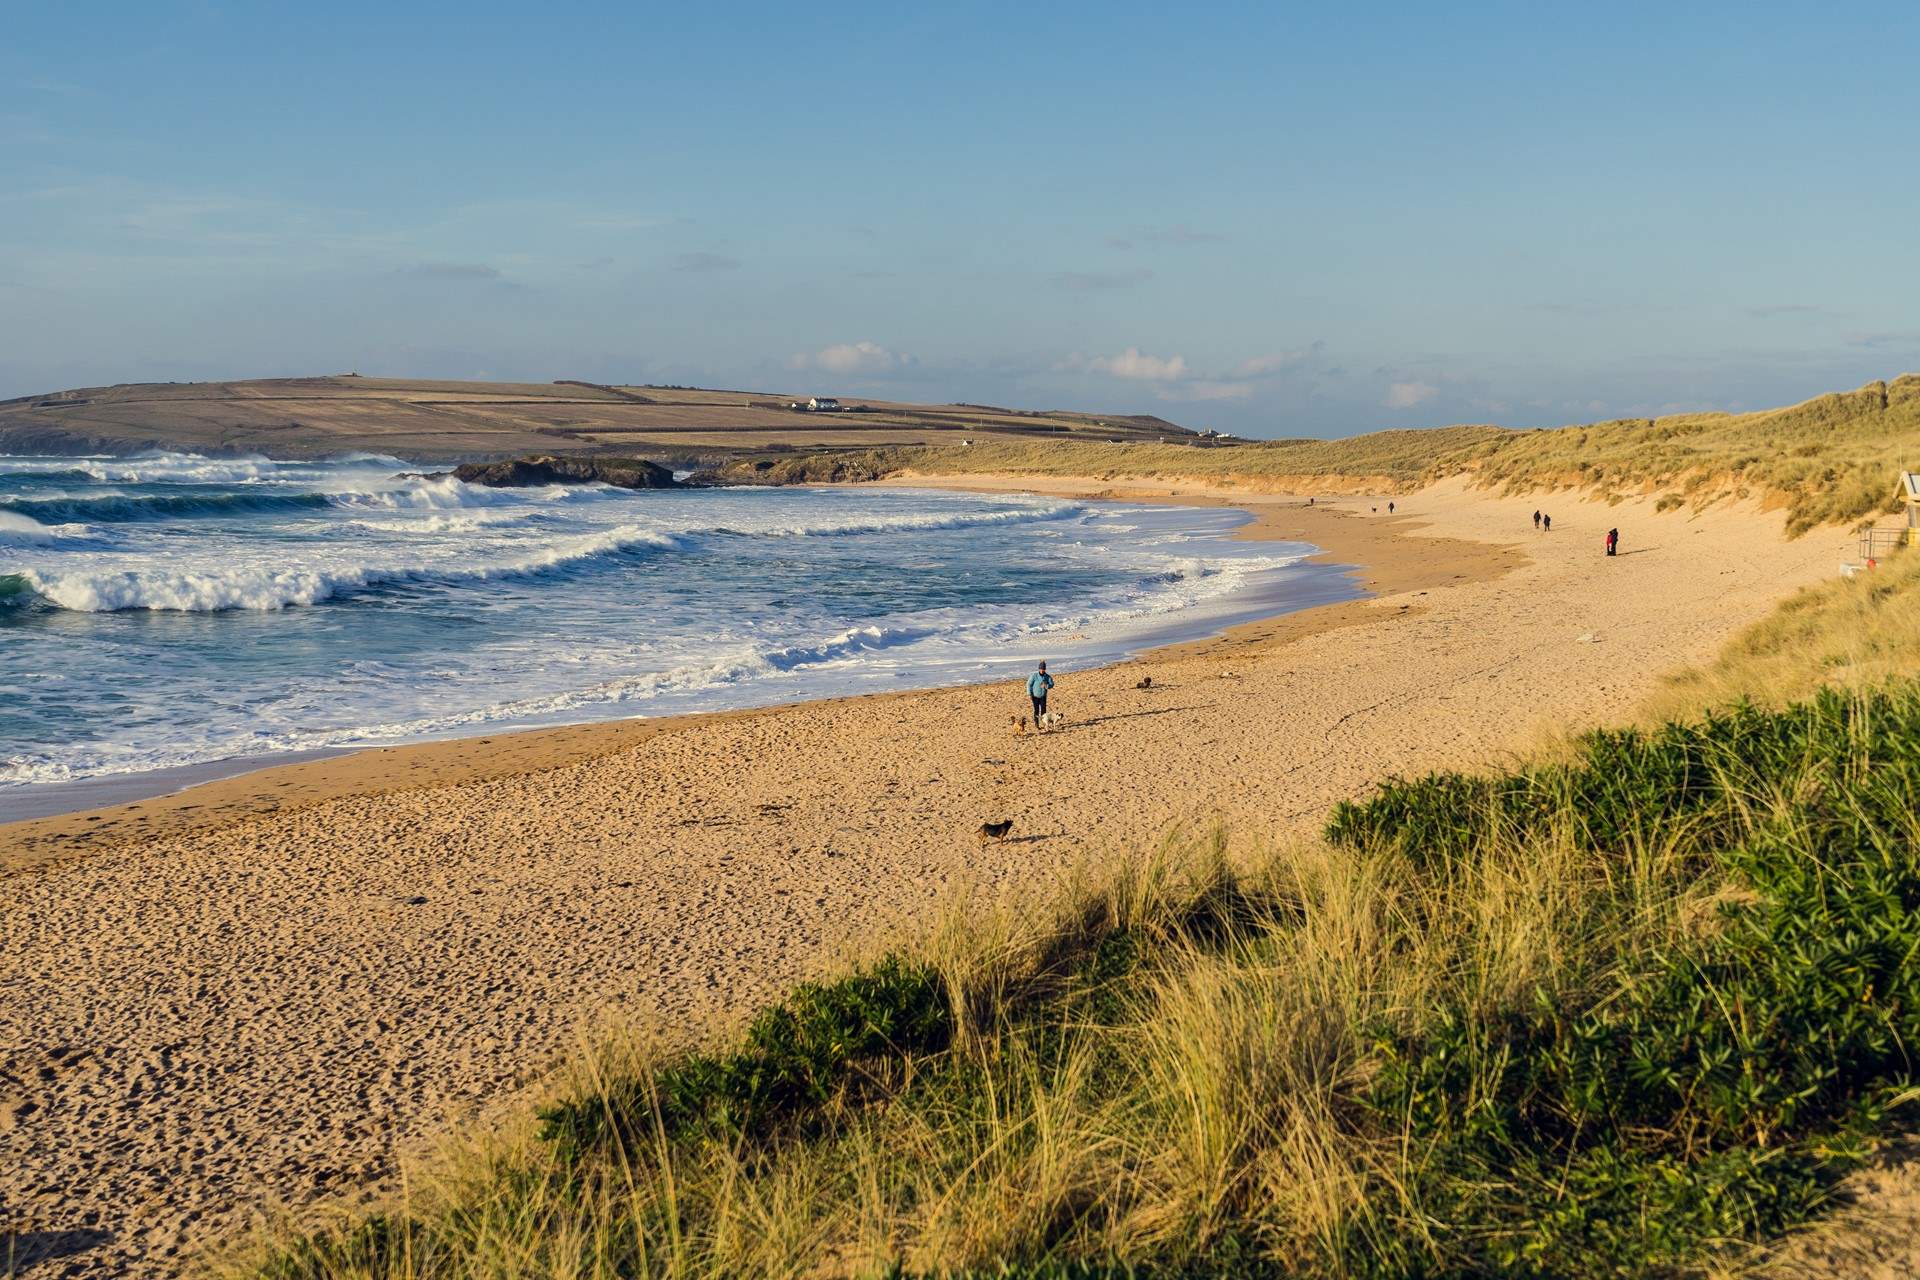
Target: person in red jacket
(1613, 540)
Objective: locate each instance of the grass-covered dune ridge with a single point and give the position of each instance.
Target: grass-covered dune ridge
(1604, 1014)
(1832, 458)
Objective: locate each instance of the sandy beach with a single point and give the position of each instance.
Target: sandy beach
(259, 991)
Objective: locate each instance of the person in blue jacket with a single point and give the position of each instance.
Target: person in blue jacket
(1037, 686)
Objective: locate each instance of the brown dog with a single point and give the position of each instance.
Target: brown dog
(995, 830)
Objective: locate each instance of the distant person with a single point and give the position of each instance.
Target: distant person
(1546, 523)
(1536, 522)
(1389, 508)
(1613, 540)
(1375, 510)
(1038, 685)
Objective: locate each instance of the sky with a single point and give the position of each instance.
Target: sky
(1270, 219)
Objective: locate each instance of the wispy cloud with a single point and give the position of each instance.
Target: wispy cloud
(851, 358)
(1885, 338)
(705, 262)
(1771, 310)
(604, 221)
(25, 131)
(450, 271)
(1176, 235)
(1136, 366)
(1280, 361)
(1210, 391)
(1175, 379)
(1405, 395)
(1098, 281)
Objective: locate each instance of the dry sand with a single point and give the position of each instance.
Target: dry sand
(259, 990)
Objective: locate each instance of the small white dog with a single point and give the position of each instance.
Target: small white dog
(1052, 720)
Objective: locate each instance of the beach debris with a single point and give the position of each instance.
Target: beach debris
(1587, 637)
(415, 901)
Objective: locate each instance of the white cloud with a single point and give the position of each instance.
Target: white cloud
(1140, 367)
(850, 357)
(1261, 366)
(1405, 395)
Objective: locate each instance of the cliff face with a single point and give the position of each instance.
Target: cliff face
(623, 473)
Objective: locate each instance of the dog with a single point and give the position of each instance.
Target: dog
(996, 830)
(1051, 720)
(1019, 725)
(1146, 682)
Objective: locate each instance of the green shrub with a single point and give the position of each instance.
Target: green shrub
(798, 1055)
(1709, 1092)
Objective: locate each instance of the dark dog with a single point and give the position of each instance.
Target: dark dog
(995, 830)
(1146, 682)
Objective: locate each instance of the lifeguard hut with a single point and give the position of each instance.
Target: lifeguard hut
(1876, 543)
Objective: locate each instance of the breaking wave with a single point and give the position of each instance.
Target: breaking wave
(18, 530)
(120, 508)
(265, 589)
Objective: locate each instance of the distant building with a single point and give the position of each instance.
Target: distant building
(823, 404)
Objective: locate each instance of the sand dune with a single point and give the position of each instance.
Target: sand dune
(264, 997)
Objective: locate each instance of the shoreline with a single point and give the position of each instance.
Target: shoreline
(274, 994)
(202, 796)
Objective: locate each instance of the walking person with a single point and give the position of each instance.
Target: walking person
(1546, 522)
(1536, 522)
(1038, 685)
(1613, 540)
(1389, 508)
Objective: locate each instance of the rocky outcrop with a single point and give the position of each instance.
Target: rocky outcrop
(814, 468)
(622, 473)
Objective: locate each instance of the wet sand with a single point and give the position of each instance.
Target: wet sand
(262, 989)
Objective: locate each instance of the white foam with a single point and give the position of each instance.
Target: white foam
(24, 531)
(212, 591)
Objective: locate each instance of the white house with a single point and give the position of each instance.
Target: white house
(823, 404)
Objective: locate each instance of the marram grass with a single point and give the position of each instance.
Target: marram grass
(1625, 1012)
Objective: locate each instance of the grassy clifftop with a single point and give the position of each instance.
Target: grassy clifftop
(1832, 458)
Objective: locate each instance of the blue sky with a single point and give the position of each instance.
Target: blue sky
(1274, 219)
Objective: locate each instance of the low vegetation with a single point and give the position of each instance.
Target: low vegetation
(1618, 1012)
(1857, 633)
(1383, 458)
(1833, 458)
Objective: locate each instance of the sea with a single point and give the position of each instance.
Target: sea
(169, 617)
